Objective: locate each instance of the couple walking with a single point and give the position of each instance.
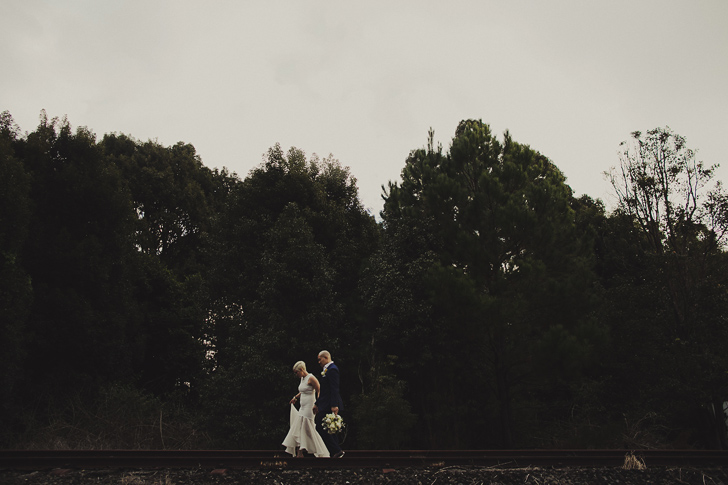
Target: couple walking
(317, 400)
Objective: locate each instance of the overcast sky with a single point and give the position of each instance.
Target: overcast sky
(364, 81)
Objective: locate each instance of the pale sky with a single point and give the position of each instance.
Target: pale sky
(365, 81)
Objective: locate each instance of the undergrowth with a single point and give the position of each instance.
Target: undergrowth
(118, 417)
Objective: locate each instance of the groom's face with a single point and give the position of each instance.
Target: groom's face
(322, 360)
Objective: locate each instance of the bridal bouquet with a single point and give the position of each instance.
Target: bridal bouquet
(333, 423)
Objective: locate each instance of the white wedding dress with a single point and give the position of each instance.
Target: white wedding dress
(302, 433)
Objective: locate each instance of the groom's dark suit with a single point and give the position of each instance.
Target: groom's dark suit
(328, 398)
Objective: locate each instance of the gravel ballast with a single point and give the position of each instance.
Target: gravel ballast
(416, 476)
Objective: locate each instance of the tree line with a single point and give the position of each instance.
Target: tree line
(147, 300)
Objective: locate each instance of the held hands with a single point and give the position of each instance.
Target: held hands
(315, 409)
(293, 401)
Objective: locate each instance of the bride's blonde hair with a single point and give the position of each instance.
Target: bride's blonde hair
(299, 365)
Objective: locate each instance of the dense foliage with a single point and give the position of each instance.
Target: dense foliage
(149, 301)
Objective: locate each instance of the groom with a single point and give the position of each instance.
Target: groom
(329, 401)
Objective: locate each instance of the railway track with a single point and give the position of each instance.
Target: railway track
(266, 459)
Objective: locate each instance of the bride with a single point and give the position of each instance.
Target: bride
(302, 434)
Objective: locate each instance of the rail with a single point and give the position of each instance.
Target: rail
(261, 459)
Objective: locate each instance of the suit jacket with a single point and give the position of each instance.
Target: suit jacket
(329, 397)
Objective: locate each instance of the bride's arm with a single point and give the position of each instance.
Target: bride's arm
(312, 381)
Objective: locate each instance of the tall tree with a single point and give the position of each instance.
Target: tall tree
(502, 267)
(288, 251)
(681, 214)
(16, 294)
(77, 255)
(667, 190)
(175, 199)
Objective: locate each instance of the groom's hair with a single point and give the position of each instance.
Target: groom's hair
(325, 353)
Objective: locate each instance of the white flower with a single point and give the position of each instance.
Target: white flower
(333, 423)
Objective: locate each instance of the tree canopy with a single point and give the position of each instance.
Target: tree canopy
(147, 300)
(502, 269)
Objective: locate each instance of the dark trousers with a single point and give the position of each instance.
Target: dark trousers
(330, 440)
